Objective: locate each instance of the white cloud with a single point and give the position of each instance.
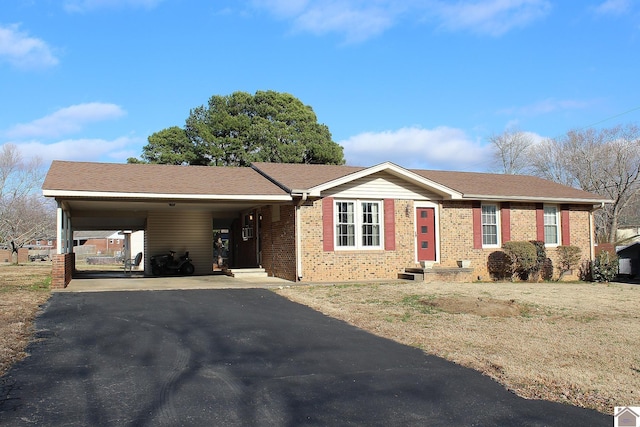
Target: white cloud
(547, 106)
(613, 7)
(88, 5)
(283, 8)
(359, 20)
(87, 149)
(65, 121)
(493, 17)
(23, 51)
(356, 24)
(442, 148)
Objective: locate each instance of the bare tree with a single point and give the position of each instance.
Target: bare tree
(24, 214)
(510, 151)
(605, 161)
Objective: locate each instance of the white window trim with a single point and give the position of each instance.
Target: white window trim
(558, 231)
(498, 226)
(358, 225)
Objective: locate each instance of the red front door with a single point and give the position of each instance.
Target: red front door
(426, 234)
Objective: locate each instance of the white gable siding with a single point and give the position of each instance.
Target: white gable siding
(181, 232)
(381, 186)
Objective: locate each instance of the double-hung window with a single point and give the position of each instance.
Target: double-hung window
(551, 229)
(358, 224)
(345, 224)
(490, 225)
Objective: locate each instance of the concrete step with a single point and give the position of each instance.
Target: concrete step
(411, 276)
(246, 272)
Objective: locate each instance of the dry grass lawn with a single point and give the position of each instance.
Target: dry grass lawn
(577, 343)
(23, 289)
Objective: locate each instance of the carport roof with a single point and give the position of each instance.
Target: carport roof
(80, 178)
(281, 182)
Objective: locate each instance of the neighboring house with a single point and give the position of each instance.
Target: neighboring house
(628, 234)
(42, 243)
(98, 242)
(320, 222)
(629, 260)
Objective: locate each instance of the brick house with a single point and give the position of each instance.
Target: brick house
(321, 222)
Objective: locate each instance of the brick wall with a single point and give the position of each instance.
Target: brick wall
(6, 255)
(337, 265)
(456, 237)
(278, 242)
(62, 267)
(455, 234)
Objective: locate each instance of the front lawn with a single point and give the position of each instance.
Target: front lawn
(577, 343)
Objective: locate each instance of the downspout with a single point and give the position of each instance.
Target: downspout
(592, 236)
(299, 237)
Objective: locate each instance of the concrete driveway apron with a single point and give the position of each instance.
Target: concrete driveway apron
(242, 358)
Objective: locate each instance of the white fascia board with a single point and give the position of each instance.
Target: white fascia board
(150, 196)
(534, 199)
(393, 169)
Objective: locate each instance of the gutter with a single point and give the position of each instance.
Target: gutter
(597, 202)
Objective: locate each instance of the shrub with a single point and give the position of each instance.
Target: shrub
(541, 259)
(523, 257)
(605, 267)
(568, 259)
(499, 265)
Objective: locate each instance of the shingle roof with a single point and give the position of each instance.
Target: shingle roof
(305, 177)
(502, 185)
(157, 179)
(277, 179)
(295, 176)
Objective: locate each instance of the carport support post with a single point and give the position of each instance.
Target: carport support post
(63, 262)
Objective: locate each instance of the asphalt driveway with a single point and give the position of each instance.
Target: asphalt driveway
(242, 358)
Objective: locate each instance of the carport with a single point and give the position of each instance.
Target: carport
(178, 207)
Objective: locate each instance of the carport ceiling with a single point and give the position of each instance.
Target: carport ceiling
(131, 214)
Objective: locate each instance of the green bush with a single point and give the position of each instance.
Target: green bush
(605, 267)
(523, 258)
(541, 260)
(499, 265)
(568, 259)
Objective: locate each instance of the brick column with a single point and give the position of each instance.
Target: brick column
(62, 267)
(23, 255)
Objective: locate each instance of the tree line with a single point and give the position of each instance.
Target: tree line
(25, 215)
(602, 161)
(238, 129)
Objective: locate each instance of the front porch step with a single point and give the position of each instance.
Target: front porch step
(444, 274)
(246, 273)
(407, 275)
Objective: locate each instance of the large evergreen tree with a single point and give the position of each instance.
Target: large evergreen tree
(241, 128)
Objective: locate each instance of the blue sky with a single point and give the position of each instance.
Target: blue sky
(422, 83)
